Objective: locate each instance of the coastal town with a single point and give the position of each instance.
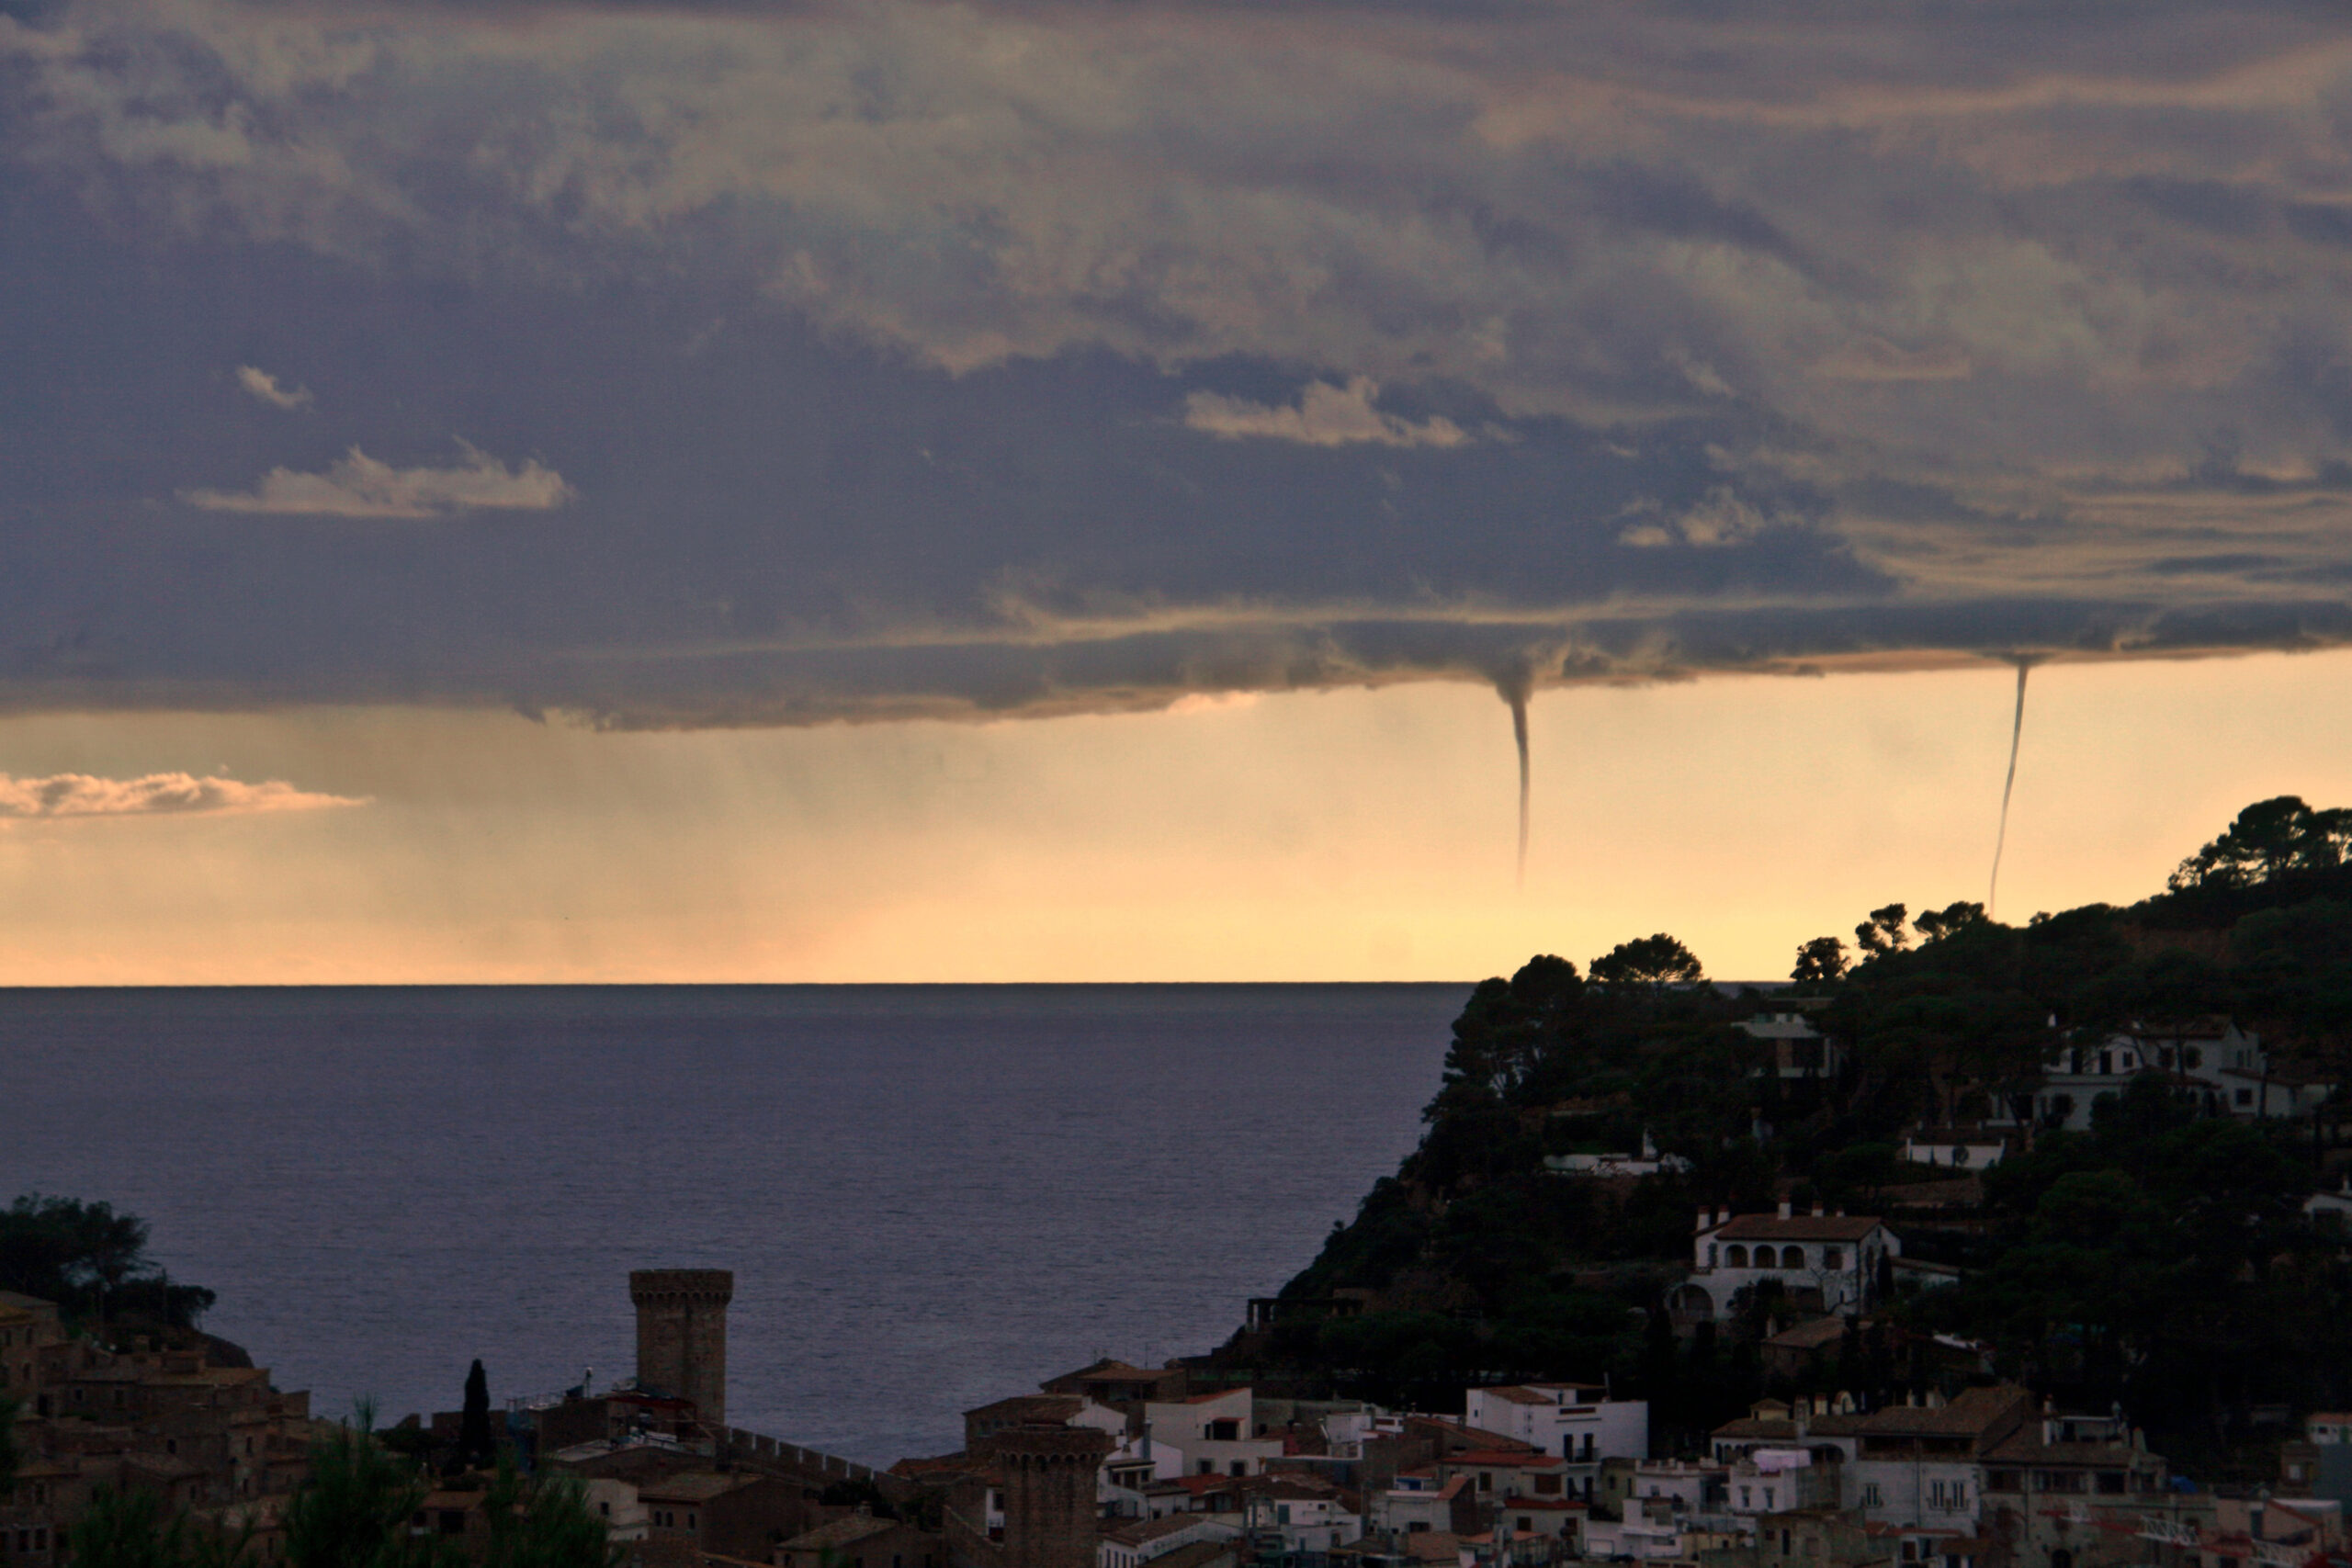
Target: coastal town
(1119, 1466)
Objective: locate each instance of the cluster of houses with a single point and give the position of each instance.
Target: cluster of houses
(1121, 1466)
(190, 1422)
(2222, 1065)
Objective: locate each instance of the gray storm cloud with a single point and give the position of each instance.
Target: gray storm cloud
(963, 361)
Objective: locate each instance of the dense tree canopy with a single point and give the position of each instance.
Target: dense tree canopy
(91, 1260)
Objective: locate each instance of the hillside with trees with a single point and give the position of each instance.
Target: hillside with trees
(2161, 1260)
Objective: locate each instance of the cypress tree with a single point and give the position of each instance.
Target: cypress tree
(475, 1444)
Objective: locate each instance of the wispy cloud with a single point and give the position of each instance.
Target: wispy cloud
(1325, 415)
(264, 385)
(155, 795)
(361, 486)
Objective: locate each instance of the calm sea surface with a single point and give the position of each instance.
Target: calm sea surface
(930, 1196)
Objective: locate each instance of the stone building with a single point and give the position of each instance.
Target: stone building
(681, 1335)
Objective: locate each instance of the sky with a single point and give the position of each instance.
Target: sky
(760, 490)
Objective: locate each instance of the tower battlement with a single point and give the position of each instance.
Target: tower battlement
(681, 1335)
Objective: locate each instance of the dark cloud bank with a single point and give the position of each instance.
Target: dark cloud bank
(749, 366)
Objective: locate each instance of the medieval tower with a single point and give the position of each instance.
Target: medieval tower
(1049, 1510)
(682, 1336)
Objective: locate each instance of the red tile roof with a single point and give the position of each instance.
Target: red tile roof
(1797, 1227)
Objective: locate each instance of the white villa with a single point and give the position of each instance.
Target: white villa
(1829, 1259)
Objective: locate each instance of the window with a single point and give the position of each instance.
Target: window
(1207, 1467)
(2246, 1097)
(1417, 1527)
(1793, 1258)
(1711, 1255)
(1236, 1468)
(1833, 1257)
(1870, 1498)
(2004, 1481)
(1746, 1497)
(2110, 1480)
(1736, 1258)
(1223, 1431)
(1282, 1513)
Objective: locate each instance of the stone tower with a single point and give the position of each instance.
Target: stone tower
(1049, 1513)
(681, 1335)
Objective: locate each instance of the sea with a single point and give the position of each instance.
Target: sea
(930, 1196)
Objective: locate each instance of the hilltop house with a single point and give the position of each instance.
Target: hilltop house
(1799, 1050)
(1827, 1263)
(2211, 1057)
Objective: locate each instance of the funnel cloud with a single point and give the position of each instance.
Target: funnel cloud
(2008, 784)
(1516, 697)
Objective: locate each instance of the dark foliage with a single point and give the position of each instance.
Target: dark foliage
(2161, 1259)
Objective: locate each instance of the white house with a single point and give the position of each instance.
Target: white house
(1677, 1488)
(1649, 1162)
(1924, 1465)
(1419, 1501)
(1960, 1148)
(1578, 1421)
(1799, 1050)
(1829, 1259)
(1305, 1516)
(1208, 1434)
(1772, 1481)
(1635, 1538)
(2226, 1064)
(616, 1506)
(2325, 1426)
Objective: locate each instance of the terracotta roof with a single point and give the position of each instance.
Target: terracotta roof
(1198, 1486)
(1032, 1407)
(839, 1532)
(1548, 1505)
(1516, 1395)
(1457, 1425)
(1207, 1398)
(1969, 1415)
(2027, 1447)
(1115, 1370)
(1810, 1336)
(1141, 1533)
(1520, 1458)
(1797, 1227)
(1195, 1554)
(694, 1486)
(1751, 1426)
(1433, 1546)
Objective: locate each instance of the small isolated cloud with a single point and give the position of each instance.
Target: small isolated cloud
(156, 795)
(1213, 702)
(264, 385)
(361, 486)
(1723, 518)
(1326, 415)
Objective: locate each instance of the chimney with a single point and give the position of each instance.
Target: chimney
(1785, 1208)
(1818, 1210)
(1703, 1219)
